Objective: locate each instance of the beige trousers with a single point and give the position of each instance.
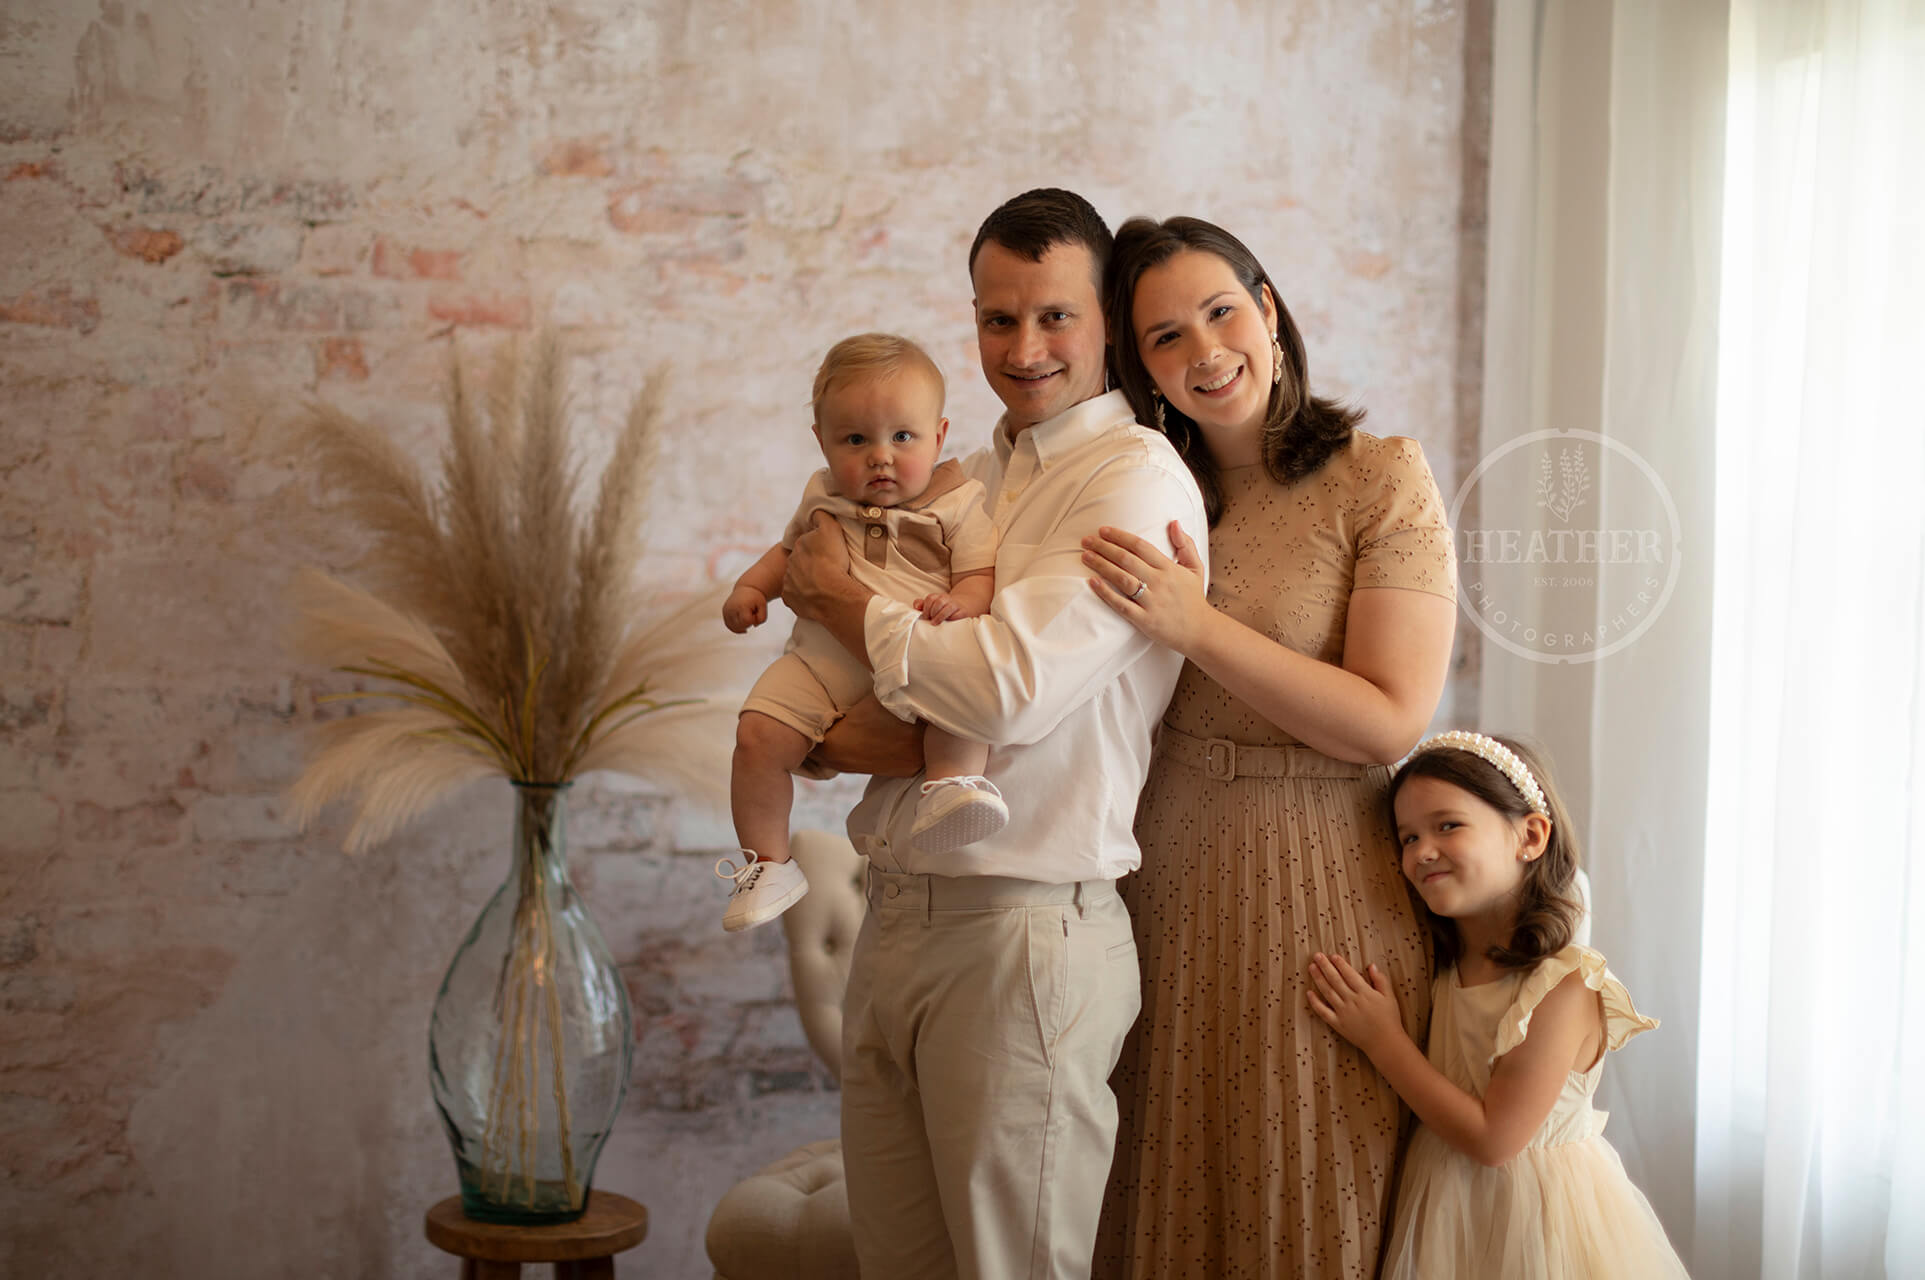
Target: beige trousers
(982, 1020)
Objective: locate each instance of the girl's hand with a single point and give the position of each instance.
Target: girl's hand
(1361, 1010)
(1170, 609)
(938, 607)
(746, 607)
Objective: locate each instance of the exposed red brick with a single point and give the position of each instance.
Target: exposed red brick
(341, 358)
(508, 311)
(396, 263)
(576, 158)
(149, 244)
(636, 211)
(55, 308)
(436, 264)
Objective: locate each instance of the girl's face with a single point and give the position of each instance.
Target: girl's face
(1465, 858)
(1206, 344)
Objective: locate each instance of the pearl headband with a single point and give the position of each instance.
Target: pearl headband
(1492, 752)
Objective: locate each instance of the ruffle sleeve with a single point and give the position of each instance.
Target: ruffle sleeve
(1621, 1018)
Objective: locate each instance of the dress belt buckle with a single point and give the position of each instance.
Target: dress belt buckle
(1220, 759)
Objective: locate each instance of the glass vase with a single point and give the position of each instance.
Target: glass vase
(530, 1044)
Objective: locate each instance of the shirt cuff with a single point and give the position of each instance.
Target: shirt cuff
(886, 628)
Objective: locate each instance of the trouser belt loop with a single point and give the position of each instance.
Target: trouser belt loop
(928, 901)
(1082, 907)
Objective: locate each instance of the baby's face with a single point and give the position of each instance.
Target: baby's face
(882, 437)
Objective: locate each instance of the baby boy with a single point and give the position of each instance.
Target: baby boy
(916, 531)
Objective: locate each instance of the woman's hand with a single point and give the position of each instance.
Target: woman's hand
(1363, 1010)
(1170, 609)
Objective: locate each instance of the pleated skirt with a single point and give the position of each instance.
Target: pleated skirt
(1254, 1141)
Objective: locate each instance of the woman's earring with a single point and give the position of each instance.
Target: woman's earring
(1156, 399)
(1276, 360)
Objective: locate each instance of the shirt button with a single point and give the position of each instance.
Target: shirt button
(893, 890)
(875, 531)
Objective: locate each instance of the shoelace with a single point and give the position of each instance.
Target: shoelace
(744, 876)
(974, 782)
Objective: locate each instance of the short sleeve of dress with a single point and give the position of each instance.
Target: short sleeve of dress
(970, 533)
(1403, 539)
(1621, 1018)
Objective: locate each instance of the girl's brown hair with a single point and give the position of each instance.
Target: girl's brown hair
(1300, 431)
(1548, 908)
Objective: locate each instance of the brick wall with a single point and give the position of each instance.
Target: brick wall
(211, 1028)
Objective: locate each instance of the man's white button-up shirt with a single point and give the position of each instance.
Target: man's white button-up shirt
(1065, 692)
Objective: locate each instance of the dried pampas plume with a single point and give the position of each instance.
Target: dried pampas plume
(503, 625)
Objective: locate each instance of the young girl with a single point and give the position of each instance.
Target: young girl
(1509, 1174)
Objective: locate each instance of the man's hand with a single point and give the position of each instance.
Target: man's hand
(870, 740)
(818, 586)
(746, 607)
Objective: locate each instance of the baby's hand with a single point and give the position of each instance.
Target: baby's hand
(1362, 1011)
(746, 607)
(938, 607)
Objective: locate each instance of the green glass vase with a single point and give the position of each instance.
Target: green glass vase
(530, 1044)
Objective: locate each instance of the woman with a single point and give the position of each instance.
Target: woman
(1254, 1141)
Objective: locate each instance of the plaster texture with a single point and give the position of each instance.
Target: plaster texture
(212, 1028)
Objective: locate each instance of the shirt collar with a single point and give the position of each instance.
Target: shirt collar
(1057, 437)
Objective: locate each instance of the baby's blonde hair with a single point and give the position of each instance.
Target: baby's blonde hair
(872, 355)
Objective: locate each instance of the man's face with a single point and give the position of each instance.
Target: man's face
(1039, 329)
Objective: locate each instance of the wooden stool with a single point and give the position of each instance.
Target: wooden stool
(584, 1249)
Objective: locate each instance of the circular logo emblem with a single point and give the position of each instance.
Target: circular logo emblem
(1576, 550)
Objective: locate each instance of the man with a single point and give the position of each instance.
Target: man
(991, 986)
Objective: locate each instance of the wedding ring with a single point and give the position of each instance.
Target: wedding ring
(1141, 587)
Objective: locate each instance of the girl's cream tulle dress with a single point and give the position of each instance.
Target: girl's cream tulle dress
(1561, 1209)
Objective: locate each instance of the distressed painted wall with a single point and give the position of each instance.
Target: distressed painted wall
(212, 1029)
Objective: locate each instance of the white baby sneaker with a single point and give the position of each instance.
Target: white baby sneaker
(763, 890)
(954, 812)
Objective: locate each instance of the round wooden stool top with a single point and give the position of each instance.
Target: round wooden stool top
(610, 1224)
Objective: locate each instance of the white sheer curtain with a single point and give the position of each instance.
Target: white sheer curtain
(1707, 246)
(1607, 144)
(1810, 1156)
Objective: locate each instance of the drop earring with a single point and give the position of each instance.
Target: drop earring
(1276, 361)
(1156, 401)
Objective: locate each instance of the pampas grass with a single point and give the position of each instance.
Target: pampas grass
(502, 633)
(501, 627)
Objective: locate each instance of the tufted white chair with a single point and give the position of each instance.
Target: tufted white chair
(790, 1220)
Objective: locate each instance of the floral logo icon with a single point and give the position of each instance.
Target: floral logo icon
(1573, 482)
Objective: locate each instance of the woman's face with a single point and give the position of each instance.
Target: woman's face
(1206, 344)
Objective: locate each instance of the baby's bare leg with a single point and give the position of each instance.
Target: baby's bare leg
(761, 789)
(948, 756)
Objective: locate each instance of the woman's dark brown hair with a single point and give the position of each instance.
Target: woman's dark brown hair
(1300, 431)
(1547, 904)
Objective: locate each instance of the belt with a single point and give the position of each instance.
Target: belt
(1222, 759)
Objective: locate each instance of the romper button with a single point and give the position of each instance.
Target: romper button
(872, 512)
(875, 531)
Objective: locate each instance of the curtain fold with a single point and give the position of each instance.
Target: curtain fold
(1600, 377)
(1810, 1129)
